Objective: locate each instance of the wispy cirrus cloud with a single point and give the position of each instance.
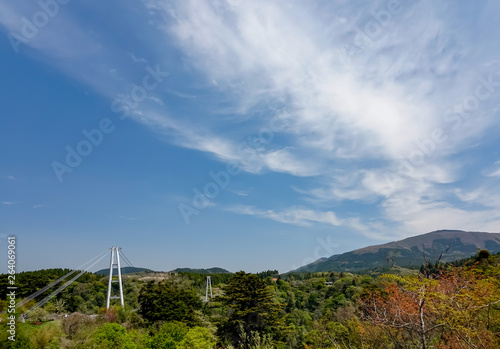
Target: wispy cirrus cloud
(136, 59)
(378, 104)
(307, 217)
(355, 110)
(296, 215)
(493, 171)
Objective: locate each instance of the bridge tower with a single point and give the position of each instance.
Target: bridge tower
(209, 287)
(115, 262)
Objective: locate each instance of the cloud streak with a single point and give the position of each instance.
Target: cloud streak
(384, 103)
(358, 103)
(296, 215)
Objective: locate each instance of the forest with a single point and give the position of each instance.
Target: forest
(452, 305)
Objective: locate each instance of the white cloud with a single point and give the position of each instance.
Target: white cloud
(239, 192)
(137, 59)
(356, 115)
(336, 105)
(373, 112)
(493, 171)
(8, 202)
(157, 100)
(308, 217)
(282, 160)
(295, 215)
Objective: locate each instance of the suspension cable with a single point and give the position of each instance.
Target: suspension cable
(56, 292)
(53, 283)
(129, 263)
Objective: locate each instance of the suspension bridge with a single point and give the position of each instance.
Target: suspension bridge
(114, 269)
(116, 255)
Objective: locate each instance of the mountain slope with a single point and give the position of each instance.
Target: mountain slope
(410, 252)
(214, 270)
(124, 270)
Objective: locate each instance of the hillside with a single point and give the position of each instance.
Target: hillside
(214, 270)
(410, 252)
(129, 270)
(125, 270)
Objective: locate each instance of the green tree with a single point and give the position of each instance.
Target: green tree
(47, 336)
(57, 306)
(112, 336)
(22, 336)
(251, 309)
(169, 336)
(198, 338)
(168, 303)
(38, 315)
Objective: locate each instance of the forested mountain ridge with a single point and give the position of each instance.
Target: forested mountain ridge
(214, 270)
(128, 270)
(454, 305)
(124, 270)
(410, 252)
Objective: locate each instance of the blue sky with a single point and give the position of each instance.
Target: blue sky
(248, 135)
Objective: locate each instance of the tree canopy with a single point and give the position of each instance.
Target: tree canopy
(160, 301)
(251, 308)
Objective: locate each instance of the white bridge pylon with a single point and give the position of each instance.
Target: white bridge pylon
(208, 289)
(115, 255)
(85, 267)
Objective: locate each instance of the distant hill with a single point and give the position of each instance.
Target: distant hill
(124, 270)
(410, 252)
(129, 270)
(214, 270)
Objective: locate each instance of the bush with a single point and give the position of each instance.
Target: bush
(38, 315)
(162, 302)
(112, 336)
(198, 338)
(169, 335)
(47, 336)
(77, 323)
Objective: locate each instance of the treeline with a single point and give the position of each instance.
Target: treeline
(199, 280)
(31, 281)
(452, 305)
(86, 295)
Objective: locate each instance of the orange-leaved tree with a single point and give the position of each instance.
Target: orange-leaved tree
(458, 309)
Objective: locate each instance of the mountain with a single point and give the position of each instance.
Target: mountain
(410, 252)
(125, 270)
(214, 270)
(129, 270)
